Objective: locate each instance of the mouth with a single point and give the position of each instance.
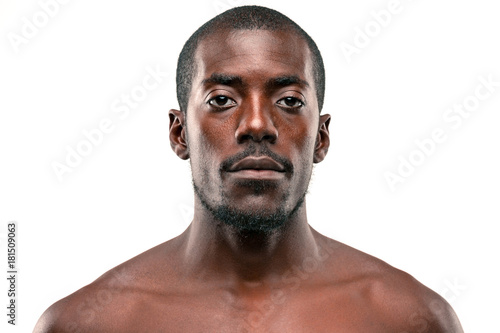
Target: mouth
(262, 163)
(262, 167)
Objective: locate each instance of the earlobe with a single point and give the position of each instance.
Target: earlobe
(177, 134)
(323, 139)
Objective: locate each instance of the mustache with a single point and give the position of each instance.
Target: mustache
(252, 150)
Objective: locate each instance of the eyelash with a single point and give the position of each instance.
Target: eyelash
(220, 107)
(295, 100)
(223, 107)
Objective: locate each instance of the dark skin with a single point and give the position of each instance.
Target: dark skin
(252, 89)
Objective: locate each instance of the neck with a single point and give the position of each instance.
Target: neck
(216, 251)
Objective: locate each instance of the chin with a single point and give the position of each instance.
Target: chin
(256, 217)
(259, 213)
(251, 221)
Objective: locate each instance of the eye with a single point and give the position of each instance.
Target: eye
(221, 101)
(291, 102)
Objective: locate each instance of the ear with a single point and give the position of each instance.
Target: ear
(323, 139)
(177, 134)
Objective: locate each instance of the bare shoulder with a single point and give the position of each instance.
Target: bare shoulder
(113, 302)
(394, 296)
(105, 303)
(411, 305)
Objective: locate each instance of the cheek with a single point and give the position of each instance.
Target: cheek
(202, 144)
(306, 153)
(303, 137)
(303, 140)
(213, 133)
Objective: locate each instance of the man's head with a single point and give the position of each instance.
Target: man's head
(243, 18)
(251, 125)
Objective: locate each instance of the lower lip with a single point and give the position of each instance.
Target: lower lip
(258, 174)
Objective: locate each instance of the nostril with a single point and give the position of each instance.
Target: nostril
(244, 137)
(270, 137)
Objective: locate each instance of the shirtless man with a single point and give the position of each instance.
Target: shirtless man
(250, 85)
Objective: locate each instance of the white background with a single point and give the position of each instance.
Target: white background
(132, 193)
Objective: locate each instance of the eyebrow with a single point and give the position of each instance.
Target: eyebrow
(236, 80)
(223, 79)
(286, 80)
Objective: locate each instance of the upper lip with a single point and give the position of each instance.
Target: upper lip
(257, 163)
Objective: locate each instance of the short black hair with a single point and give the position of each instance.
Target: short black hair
(243, 18)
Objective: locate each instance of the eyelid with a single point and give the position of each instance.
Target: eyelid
(295, 95)
(229, 98)
(217, 93)
(289, 106)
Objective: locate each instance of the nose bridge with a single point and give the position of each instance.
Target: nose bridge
(256, 120)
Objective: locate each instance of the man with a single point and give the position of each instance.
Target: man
(250, 85)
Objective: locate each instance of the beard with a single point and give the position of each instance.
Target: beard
(259, 220)
(256, 220)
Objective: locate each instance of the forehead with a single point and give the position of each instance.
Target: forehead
(254, 53)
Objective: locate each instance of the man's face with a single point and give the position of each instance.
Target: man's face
(252, 126)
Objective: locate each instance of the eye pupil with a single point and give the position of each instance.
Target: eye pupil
(221, 100)
(290, 101)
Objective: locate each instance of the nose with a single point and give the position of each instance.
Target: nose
(256, 124)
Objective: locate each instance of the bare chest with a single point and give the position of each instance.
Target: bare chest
(273, 312)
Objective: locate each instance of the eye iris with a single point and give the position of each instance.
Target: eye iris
(290, 101)
(221, 100)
